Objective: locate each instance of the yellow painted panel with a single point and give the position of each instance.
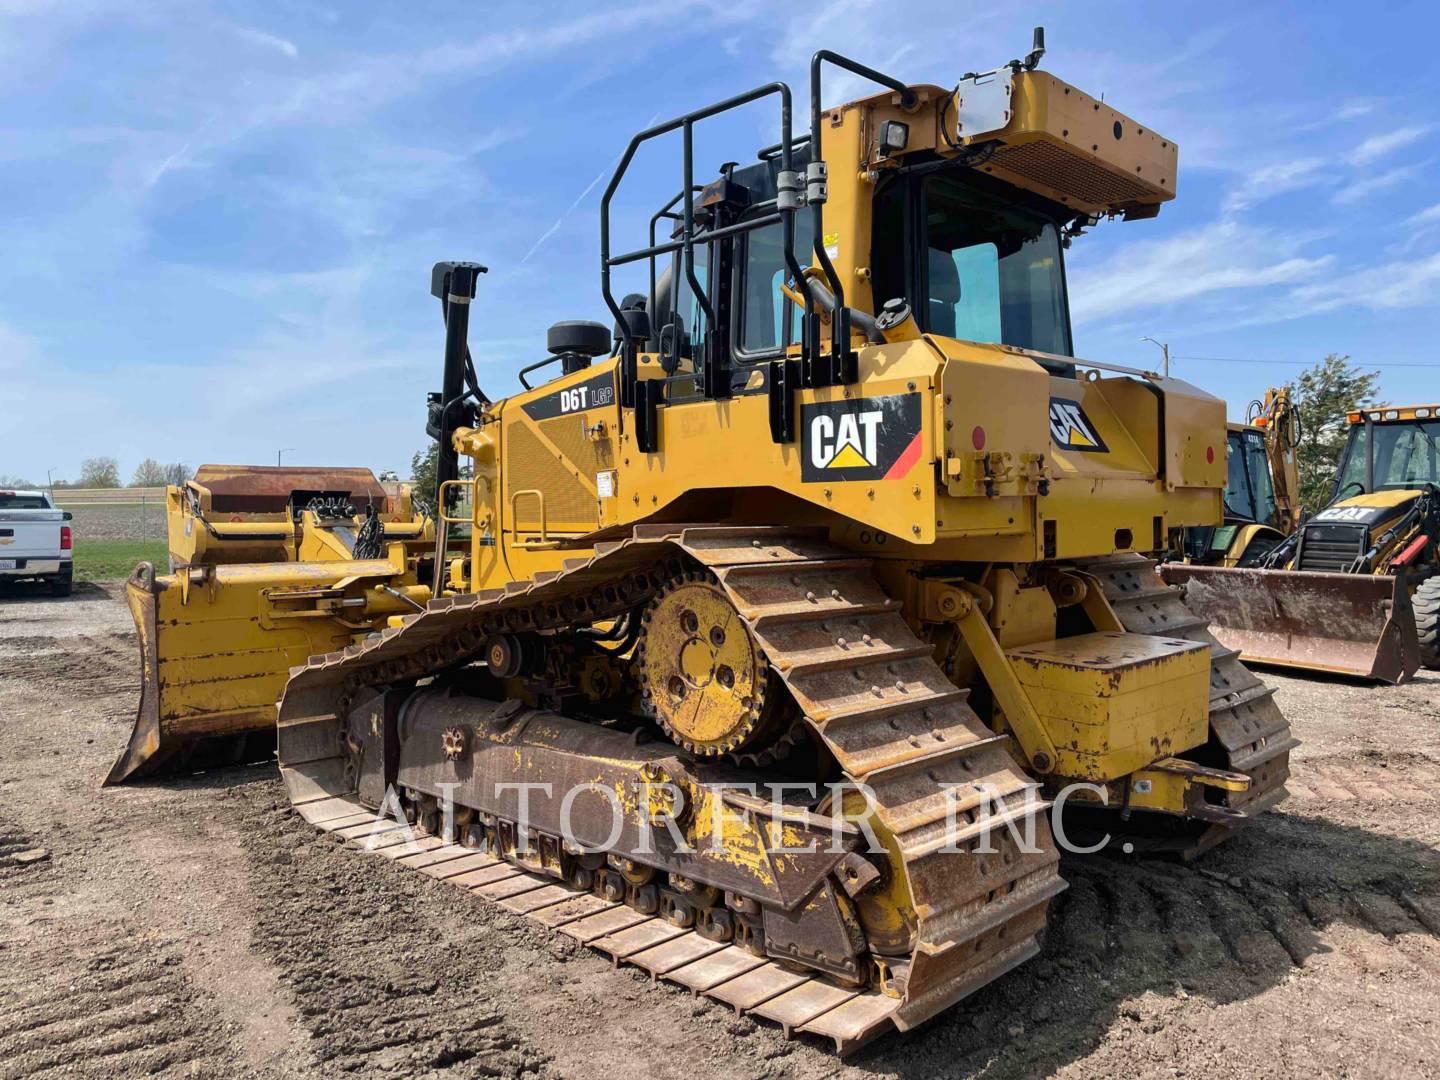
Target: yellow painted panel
(1113, 703)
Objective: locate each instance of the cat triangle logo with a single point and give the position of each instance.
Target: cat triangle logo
(848, 458)
(1071, 429)
(847, 441)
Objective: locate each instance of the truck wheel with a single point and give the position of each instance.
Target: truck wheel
(1426, 602)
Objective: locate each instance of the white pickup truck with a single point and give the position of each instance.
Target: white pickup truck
(35, 540)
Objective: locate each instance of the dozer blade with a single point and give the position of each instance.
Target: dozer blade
(216, 646)
(1348, 624)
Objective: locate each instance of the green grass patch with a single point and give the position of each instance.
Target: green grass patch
(111, 560)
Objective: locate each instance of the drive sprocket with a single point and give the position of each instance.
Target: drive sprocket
(705, 678)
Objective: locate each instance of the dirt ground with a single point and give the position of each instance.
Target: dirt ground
(123, 521)
(197, 928)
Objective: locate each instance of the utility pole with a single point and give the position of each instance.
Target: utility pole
(1165, 349)
(280, 453)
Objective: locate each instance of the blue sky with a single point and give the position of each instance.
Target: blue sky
(219, 218)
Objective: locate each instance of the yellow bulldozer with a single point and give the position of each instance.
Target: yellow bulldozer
(1262, 487)
(796, 597)
(1355, 590)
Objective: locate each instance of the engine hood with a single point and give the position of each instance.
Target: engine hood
(1371, 509)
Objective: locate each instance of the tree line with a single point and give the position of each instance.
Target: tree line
(104, 472)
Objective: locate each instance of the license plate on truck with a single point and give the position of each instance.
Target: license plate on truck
(7, 564)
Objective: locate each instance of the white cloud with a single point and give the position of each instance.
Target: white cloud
(1369, 185)
(1356, 108)
(1378, 146)
(283, 46)
(1428, 216)
(1273, 180)
(1387, 287)
(1221, 257)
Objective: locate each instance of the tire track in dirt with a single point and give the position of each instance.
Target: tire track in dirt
(86, 665)
(384, 979)
(1290, 894)
(96, 996)
(1366, 776)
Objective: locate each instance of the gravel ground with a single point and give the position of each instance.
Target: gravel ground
(197, 928)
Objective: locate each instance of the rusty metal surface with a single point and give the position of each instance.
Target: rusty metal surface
(1348, 624)
(897, 738)
(216, 645)
(261, 489)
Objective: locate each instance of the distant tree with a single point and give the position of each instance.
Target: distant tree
(1323, 395)
(425, 476)
(149, 473)
(424, 473)
(99, 472)
(13, 482)
(177, 472)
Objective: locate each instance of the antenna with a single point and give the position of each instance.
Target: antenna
(1037, 49)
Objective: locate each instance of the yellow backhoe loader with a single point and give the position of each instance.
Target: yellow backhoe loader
(1261, 489)
(1355, 589)
(833, 504)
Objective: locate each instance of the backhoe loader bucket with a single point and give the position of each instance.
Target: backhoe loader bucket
(216, 646)
(1349, 624)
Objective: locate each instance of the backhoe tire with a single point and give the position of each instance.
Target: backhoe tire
(1426, 603)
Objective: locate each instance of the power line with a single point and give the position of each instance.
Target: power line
(1303, 363)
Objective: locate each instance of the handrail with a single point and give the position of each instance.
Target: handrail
(515, 517)
(685, 123)
(840, 324)
(474, 503)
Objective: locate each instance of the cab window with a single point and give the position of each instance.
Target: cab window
(975, 265)
(769, 320)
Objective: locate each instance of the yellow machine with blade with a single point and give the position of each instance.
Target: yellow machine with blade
(833, 505)
(1355, 590)
(268, 566)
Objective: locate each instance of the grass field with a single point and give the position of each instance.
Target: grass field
(112, 560)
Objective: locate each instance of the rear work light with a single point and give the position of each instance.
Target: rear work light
(64, 537)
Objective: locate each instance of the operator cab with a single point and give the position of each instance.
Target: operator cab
(1249, 490)
(974, 258)
(1390, 450)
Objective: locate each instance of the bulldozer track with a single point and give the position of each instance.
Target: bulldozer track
(1244, 719)
(868, 688)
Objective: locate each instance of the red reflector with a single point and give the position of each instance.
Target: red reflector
(64, 537)
(977, 438)
(1209, 455)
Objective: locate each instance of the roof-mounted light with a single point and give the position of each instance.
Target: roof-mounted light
(894, 136)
